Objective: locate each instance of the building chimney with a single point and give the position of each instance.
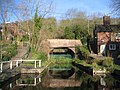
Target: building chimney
(106, 20)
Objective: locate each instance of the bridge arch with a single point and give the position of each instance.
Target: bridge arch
(49, 45)
(67, 51)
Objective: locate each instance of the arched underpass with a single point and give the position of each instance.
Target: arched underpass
(65, 52)
(49, 45)
(61, 52)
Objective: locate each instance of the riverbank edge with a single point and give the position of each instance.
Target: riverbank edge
(16, 75)
(90, 70)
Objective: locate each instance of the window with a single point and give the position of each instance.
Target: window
(117, 36)
(112, 46)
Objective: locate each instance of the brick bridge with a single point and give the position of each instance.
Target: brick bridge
(49, 44)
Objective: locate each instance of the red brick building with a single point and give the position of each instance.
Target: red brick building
(106, 38)
(9, 30)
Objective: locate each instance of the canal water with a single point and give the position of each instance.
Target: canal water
(59, 81)
(64, 78)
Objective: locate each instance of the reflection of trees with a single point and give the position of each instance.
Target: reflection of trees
(61, 73)
(89, 82)
(112, 82)
(86, 82)
(92, 82)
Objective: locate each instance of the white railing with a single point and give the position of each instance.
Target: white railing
(9, 64)
(36, 81)
(19, 82)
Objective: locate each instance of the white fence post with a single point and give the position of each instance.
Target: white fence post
(1, 67)
(10, 85)
(17, 63)
(35, 63)
(21, 60)
(11, 65)
(35, 81)
(40, 79)
(39, 63)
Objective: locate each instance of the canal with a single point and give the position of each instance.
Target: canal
(62, 77)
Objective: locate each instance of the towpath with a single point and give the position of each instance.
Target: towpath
(97, 56)
(21, 52)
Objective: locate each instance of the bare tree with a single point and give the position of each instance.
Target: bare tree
(75, 13)
(33, 11)
(116, 6)
(6, 8)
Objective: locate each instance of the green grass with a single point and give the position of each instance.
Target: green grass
(117, 67)
(61, 62)
(8, 51)
(99, 64)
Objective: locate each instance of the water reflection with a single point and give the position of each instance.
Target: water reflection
(60, 80)
(28, 80)
(77, 81)
(98, 82)
(22, 80)
(62, 76)
(61, 73)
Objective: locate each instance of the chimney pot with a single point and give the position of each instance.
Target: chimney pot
(106, 20)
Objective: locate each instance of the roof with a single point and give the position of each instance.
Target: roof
(60, 43)
(107, 28)
(0, 28)
(64, 43)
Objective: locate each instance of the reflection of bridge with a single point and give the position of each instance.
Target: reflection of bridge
(59, 83)
(50, 44)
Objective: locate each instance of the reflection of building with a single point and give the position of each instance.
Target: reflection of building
(106, 37)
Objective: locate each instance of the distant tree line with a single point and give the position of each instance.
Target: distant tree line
(31, 18)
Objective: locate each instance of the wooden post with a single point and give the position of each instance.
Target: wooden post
(39, 63)
(1, 67)
(11, 65)
(35, 63)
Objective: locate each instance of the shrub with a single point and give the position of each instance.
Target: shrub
(83, 52)
(95, 65)
(108, 62)
(25, 38)
(39, 55)
(97, 61)
(6, 57)
(10, 51)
